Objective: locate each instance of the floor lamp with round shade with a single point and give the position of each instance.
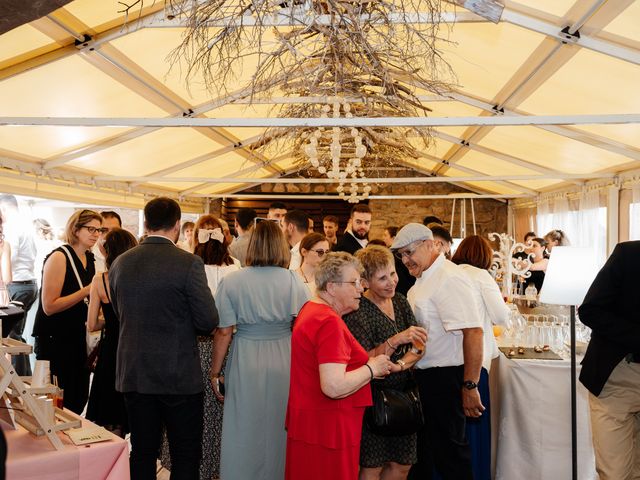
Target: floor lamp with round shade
(570, 272)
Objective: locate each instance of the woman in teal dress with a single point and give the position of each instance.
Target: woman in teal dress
(260, 302)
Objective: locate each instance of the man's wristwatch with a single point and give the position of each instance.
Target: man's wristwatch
(469, 385)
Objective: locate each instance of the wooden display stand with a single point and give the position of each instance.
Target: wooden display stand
(35, 414)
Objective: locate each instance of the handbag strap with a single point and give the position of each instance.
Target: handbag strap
(73, 266)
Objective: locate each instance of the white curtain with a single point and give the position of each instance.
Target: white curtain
(544, 218)
(592, 226)
(634, 214)
(556, 215)
(584, 227)
(564, 219)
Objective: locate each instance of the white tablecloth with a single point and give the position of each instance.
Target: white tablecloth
(531, 410)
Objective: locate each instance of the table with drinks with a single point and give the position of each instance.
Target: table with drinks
(530, 402)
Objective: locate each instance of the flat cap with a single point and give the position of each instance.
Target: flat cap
(411, 232)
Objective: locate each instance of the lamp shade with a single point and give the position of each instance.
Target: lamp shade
(569, 275)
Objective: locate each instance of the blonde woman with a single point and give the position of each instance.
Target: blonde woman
(59, 326)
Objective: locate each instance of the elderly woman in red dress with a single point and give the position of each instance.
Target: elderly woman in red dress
(330, 375)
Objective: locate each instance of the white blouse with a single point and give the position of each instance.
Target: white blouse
(215, 273)
(491, 307)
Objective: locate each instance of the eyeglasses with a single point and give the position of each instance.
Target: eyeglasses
(408, 252)
(320, 251)
(94, 230)
(357, 283)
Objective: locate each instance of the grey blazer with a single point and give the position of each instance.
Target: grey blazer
(161, 297)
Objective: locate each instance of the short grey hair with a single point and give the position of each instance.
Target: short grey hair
(331, 268)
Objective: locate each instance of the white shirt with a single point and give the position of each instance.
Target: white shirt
(296, 257)
(100, 261)
(23, 250)
(443, 302)
(215, 273)
(491, 308)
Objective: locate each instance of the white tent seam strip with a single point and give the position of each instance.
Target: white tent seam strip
(503, 120)
(589, 42)
(475, 178)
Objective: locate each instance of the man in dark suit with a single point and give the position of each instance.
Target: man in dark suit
(161, 297)
(355, 237)
(611, 366)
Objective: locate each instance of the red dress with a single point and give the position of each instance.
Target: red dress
(323, 434)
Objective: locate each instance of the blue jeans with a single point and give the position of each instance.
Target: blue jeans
(182, 415)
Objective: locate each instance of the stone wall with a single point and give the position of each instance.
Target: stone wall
(491, 215)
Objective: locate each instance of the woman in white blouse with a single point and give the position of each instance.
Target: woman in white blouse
(474, 255)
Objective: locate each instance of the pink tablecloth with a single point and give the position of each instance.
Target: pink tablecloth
(33, 458)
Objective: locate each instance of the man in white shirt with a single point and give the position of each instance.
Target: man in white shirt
(110, 220)
(23, 286)
(295, 226)
(447, 375)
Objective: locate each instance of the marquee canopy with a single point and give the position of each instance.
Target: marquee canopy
(546, 98)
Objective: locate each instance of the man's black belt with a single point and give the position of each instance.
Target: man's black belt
(633, 357)
(24, 282)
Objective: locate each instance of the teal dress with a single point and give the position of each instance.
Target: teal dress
(261, 303)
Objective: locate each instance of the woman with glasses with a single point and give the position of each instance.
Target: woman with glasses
(330, 376)
(106, 405)
(59, 325)
(260, 301)
(385, 324)
(313, 247)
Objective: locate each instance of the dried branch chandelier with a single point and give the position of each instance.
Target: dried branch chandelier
(354, 56)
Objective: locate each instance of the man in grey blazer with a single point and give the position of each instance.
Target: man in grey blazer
(162, 300)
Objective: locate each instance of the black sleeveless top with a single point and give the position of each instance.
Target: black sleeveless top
(69, 323)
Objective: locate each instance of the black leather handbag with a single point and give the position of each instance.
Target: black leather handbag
(395, 412)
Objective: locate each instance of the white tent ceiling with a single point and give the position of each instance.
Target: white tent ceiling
(541, 110)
